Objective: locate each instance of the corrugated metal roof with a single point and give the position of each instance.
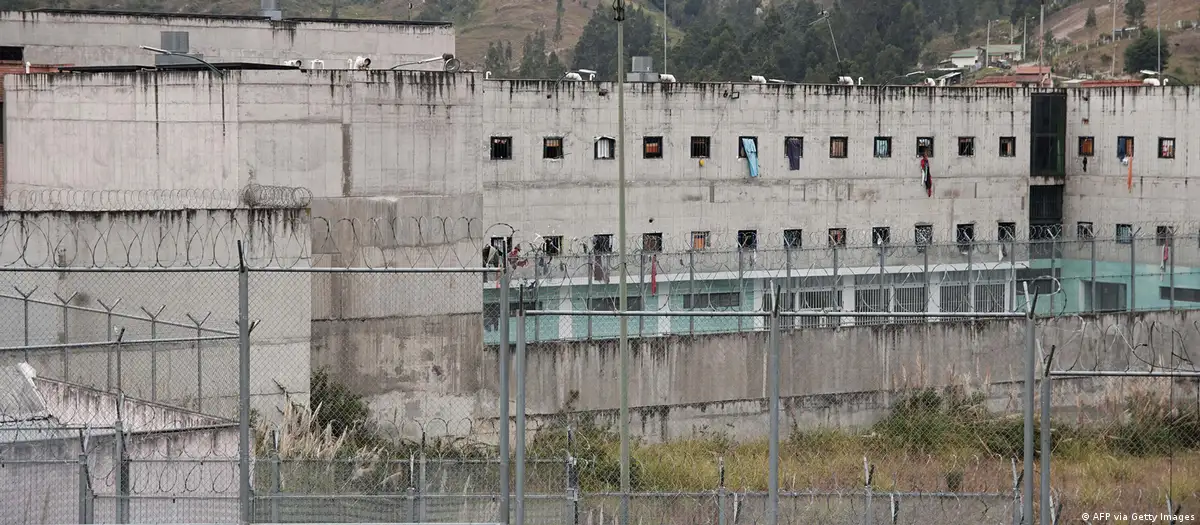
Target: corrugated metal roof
(23, 412)
(19, 397)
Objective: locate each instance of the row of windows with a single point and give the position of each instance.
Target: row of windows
(839, 147)
(794, 238)
(701, 147)
(748, 239)
(1166, 147)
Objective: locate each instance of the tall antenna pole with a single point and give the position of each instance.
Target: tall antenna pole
(623, 286)
(1158, 7)
(1042, 42)
(1112, 69)
(664, 66)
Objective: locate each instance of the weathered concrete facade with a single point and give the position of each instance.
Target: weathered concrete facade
(1099, 191)
(351, 134)
(196, 374)
(847, 377)
(388, 145)
(99, 38)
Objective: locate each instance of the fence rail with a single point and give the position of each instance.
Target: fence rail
(366, 395)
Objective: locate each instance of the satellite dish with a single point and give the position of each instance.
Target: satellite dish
(452, 65)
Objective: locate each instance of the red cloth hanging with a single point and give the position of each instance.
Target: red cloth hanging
(926, 178)
(654, 275)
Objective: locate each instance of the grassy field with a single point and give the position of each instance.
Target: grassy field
(1131, 457)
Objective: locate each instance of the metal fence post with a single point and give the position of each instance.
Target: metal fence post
(587, 301)
(520, 373)
(1054, 266)
(788, 286)
(773, 469)
(1092, 292)
(108, 332)
(66, 333)
(721, 491)
(691, 289)
(276, 476)
(412, 488)
(642, 292)
(1171, 278)
(1133, 272)
(925, 285)
(25, 308)
(502, 364)
(884, 297)
(243, 386)
(741, 284)
(154, 350)
(85, 492)
(535, 291)
(837, 288)
(1012, 271)
(121, 467)
(423, 479)
(1030, 378)
(572, 479)
(1017, 508)
(868, 474)
(971, 276)
(1045, 506)
(199, 361)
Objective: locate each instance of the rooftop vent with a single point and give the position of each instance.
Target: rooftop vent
(175, 42)
(270, 9)
(643, 70)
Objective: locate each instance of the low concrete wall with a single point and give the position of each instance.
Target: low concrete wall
(843, 377)
(177, 460)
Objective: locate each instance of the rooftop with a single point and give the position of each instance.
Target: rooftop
(196, 66)
(244, 18)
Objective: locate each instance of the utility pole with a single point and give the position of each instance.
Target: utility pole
(623, 287)
(1112, 70)
(664, 66)
(1157, 7)
(987, 47)
(1024, 37)
(1042, 43)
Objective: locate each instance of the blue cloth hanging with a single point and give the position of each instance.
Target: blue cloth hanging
(751, 155)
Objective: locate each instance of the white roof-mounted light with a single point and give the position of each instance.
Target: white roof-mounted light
(451, 65)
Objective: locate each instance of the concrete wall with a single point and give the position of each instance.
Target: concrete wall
(348, 134)
(845, 377)
(176, 459)
(175, 373)
(1101, 194)
(575, 196)
(344, 134)
(89, 38)
(173, 476)
(335, 133)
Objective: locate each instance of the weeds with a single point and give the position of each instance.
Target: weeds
(931, 440)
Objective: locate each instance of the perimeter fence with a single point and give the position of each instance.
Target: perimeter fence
(376, 394)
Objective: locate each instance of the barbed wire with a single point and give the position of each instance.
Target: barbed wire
(1120, 344)
(293, 240)
(253, 195)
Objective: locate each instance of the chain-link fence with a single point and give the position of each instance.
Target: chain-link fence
(1119, 407)
(371, 390)
(811, 425)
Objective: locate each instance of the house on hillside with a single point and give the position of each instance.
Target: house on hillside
(970, 57)
(973, 57)
(1022, 76)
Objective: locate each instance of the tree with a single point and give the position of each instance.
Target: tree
(1091, 18)
(1135, 12)
(497, 60)
(1143, 52)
